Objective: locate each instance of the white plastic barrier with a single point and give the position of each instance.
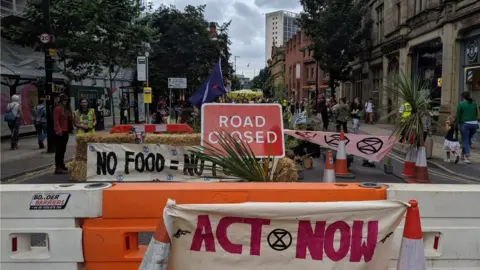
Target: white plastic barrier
(450, 216)
(39, 226)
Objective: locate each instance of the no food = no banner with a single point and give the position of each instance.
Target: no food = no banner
(138, 162)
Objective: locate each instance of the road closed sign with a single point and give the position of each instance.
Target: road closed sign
(258, 125)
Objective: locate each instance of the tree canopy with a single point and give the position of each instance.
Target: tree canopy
(336, 29)
(186, 48)
(263, 81)
(87, 34)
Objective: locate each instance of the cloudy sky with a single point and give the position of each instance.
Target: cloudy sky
(247, 30)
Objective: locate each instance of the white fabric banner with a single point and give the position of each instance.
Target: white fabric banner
(150, 162)
(330, 235)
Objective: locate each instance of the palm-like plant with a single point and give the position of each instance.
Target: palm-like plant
(237, 158)
(417, 94)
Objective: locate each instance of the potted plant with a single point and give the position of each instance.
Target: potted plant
(387, 166)
(238, 159)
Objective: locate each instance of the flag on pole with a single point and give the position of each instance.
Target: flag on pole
(210, 89)
(248, 65)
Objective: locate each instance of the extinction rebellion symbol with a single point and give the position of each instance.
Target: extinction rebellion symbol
(472, 51)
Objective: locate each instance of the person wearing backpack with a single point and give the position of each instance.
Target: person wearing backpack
(40, 121)
(13, 115)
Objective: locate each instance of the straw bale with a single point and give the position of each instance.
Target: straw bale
(286, 171)
(168, 139)
(78, 171)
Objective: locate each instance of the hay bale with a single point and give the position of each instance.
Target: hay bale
(168, 139)
(78, 171)
(286, 171)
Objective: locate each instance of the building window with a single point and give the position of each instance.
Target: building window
(379, 23)
(357, 83)
(304, 54)
(377, 83)
(399, 14)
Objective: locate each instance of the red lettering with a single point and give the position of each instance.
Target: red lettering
(256, 233)
(222, 236)
(332, 254)
(203, 233)
(203, 224)
(306, 238)
(359, 248)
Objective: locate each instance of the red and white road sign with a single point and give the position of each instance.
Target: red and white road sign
(45, 38)
(259, 125)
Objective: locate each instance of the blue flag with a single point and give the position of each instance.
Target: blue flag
(210, 89)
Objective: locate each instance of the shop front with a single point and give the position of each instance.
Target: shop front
(471, 67)
(427, 67)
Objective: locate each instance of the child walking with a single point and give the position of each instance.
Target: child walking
(451, 144)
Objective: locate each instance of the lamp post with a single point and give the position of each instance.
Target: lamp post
(235, 63)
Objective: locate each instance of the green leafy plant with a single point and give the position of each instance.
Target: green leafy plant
(417, 94)
(238, 159)
(388, 161)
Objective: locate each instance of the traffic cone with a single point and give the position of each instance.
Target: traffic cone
(412, 252)
(329, 170)
(421, 170)
(341, 168)
(156, 256)
(409, 164)
(410, 159)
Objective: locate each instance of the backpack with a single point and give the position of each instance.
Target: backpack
(9, 116)
(38, 115)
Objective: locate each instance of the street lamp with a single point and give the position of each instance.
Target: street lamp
(235, 63)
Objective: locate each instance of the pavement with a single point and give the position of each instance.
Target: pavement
(466, 171)
(29, 161)
(32, 165)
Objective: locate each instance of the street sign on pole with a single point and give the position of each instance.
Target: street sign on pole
(147, 95)
(45, 38)
(258, 125)
(141, 68)
(177, 83)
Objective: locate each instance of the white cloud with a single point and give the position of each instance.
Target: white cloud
(247, 31)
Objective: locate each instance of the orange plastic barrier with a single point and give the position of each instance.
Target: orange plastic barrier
(111, 242)
(150, 128)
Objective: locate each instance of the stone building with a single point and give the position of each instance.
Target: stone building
(300, 68)
(276, 66)
(432, 40)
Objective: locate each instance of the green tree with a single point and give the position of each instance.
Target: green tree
(186, 48)
(236, 84)
(263, 81)
(69, 21)
(336, 30)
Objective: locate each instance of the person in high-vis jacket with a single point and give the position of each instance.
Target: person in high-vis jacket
(405, 112)
(84, 118)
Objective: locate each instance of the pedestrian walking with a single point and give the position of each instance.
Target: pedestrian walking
(13, 116)
(123, 111)
(451, 146)
(40, 122)
(355, 113)
(61, 126)
(341, 113)
(161, 114)
(468, 115)
(369, 107)
(85, 119)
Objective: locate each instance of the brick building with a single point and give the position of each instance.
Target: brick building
(300, 68)
(431, 40)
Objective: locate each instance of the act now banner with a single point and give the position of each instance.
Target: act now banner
(366, 146)
(330, 235)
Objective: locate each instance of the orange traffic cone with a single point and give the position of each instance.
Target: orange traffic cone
(412, 253)
(329, 170)
(156, 256)
(421, 170)
(341, 168)
(409, 164)
(410, 159)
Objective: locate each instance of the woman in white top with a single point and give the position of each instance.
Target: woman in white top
(14, 108)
